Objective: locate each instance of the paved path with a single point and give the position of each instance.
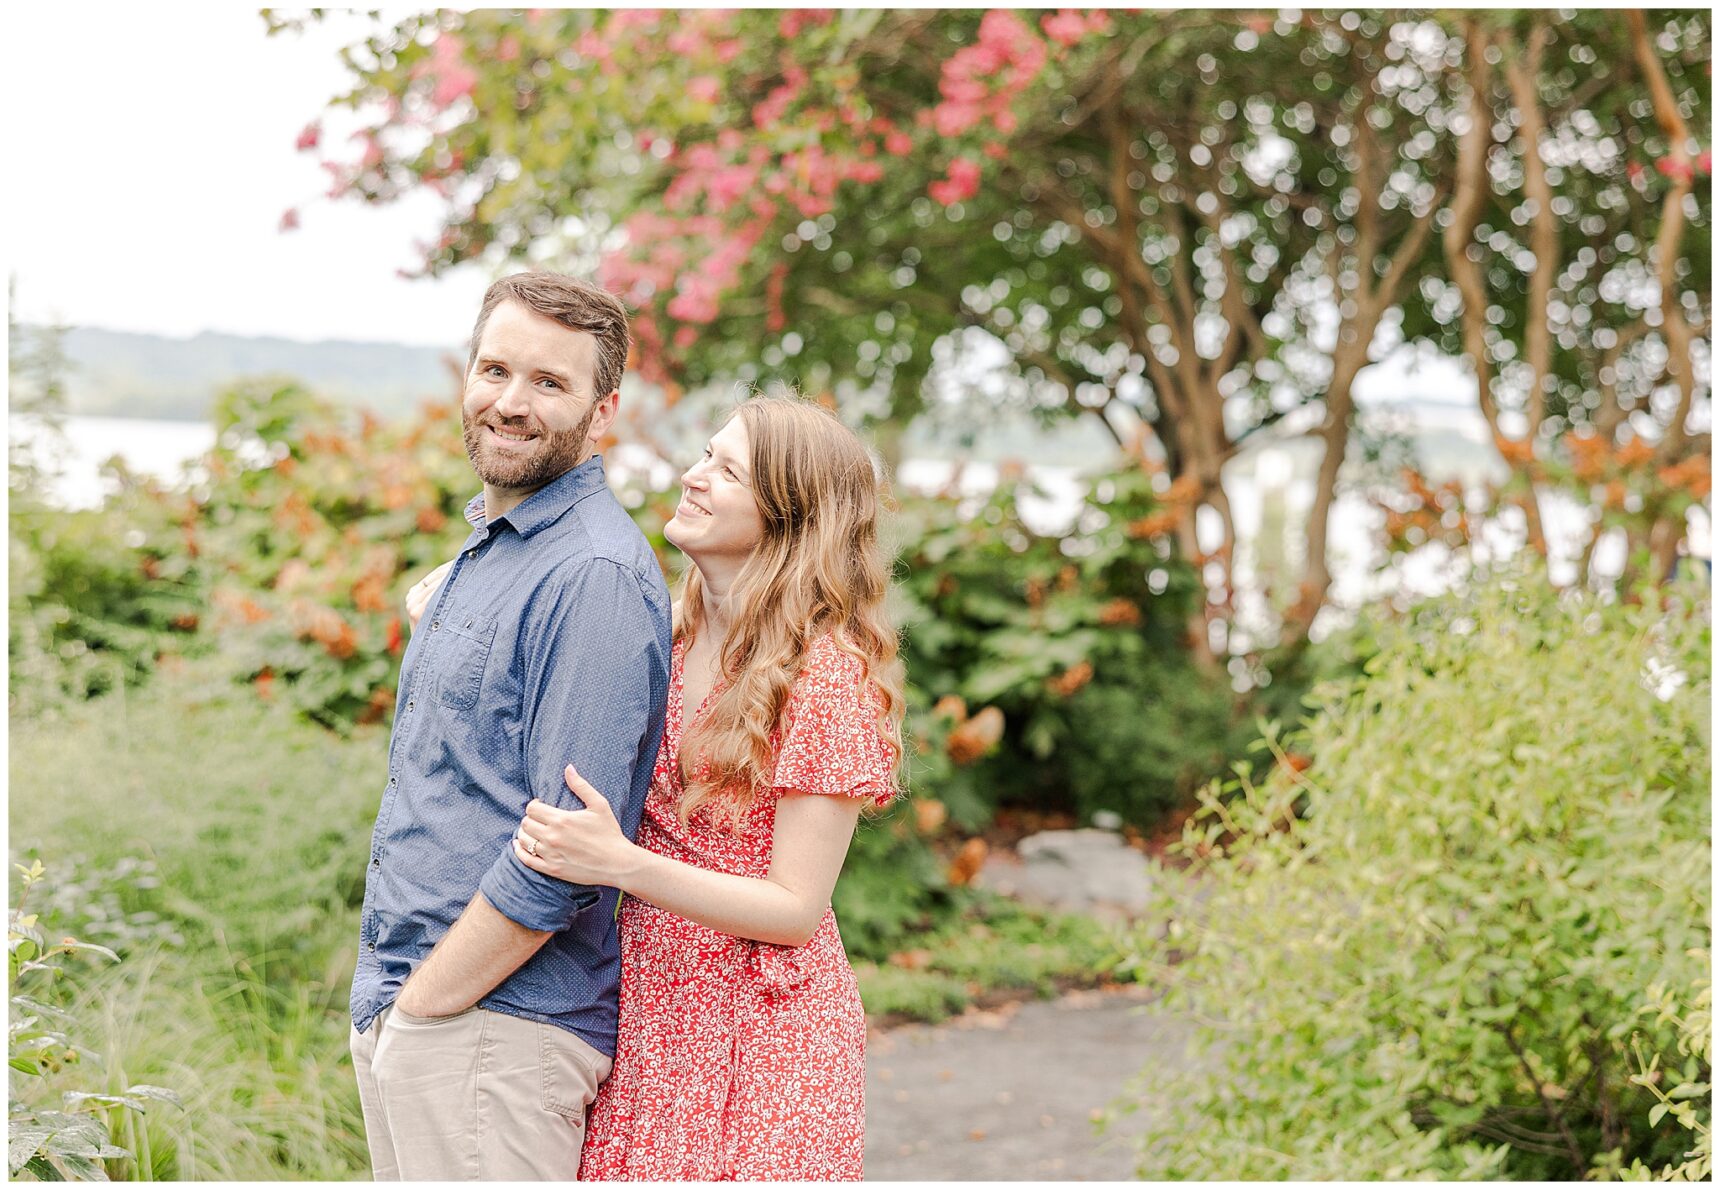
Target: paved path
(1011, 1094)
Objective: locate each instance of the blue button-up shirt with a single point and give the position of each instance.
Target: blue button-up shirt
(547, 644)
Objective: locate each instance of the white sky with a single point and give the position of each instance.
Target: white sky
(149, 159)
(154, 158)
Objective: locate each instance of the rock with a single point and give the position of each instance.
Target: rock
(1078, 871)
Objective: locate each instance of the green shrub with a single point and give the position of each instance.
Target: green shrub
(71, 1142)
(993, 945)
(1425, 955)
(893, 886)
(222, 844)
(1078, 638)
(1687, 1100)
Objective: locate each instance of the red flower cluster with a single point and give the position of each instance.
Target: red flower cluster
(1066, 26)
(448, 70)
(961, 183)
(982, 80)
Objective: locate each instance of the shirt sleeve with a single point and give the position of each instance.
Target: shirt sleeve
(595, 686)
(831, 741)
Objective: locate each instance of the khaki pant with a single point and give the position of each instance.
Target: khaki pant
(478, 1096)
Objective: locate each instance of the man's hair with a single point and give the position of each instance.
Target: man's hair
(577, 305)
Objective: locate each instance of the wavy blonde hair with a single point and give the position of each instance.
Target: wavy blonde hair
(818, 569)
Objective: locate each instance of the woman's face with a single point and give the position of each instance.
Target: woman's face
(718, 517)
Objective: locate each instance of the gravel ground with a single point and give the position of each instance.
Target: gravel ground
(1011, 1094)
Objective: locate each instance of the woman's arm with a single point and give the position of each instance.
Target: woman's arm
(418, 597)
(808, 847)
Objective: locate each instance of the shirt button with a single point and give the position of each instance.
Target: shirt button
(410, 705)
(435, 624)
(373, 948)
(471, 553)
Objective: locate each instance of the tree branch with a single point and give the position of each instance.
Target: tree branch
(1524, 79)
(1471, 194)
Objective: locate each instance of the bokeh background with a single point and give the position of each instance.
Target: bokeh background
(1300, 434)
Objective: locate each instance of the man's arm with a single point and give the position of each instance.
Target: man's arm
(594, 688)
(589, 698)
(482, 949)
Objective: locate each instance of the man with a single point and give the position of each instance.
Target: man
(484, 1003)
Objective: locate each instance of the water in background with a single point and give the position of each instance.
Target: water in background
(1270, 491)
(73, 462)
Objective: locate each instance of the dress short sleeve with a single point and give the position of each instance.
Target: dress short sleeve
(831, 742)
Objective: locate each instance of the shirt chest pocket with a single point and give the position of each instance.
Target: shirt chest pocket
(465, 652)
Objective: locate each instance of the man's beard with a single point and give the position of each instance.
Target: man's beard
(554, 454)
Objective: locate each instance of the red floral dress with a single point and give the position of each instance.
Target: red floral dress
(738, 1059)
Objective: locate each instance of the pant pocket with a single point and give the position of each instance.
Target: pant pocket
(398, 1017)
(570, 1071)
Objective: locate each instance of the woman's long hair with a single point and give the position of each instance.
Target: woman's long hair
(818, 569)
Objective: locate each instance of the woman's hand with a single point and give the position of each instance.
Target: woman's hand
(418, 598)
(581, 846)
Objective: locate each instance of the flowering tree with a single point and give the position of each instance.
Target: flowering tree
(1577, 280)
(1188, 226)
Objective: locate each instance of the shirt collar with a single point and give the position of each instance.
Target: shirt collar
(546, 505)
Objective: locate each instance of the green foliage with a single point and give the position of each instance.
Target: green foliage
(1078, 638)
(994, 945)
(1689, 1102)
(1424, 956)
(893, 886)
(91, 609)
(246, 833)
(287, 565)
(70, 1143)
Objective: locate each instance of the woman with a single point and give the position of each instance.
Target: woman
(741, 1044)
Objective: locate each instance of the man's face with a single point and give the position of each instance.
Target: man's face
(529, 413)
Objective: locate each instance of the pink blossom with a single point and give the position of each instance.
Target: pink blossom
(1705, 162)
(685, 338)
(727, 51)
(898, 144)
(290, 219)
(372, 148)
(592, 45)
(1001, 29)
(768, 111)
(309, 137)
(866, 172)
(454, 79)
(797, 19)
(953, 119)
(1676, 168)
(1005, 121)
(775, 318)
(624, 19)
(726, 186)
(1065, 27)
(962, 182)
(508, 48)
(696, 301)
(339, 180)
(704, 89)
(958, 90)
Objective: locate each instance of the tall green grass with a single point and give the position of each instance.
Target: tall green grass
(238, 959)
